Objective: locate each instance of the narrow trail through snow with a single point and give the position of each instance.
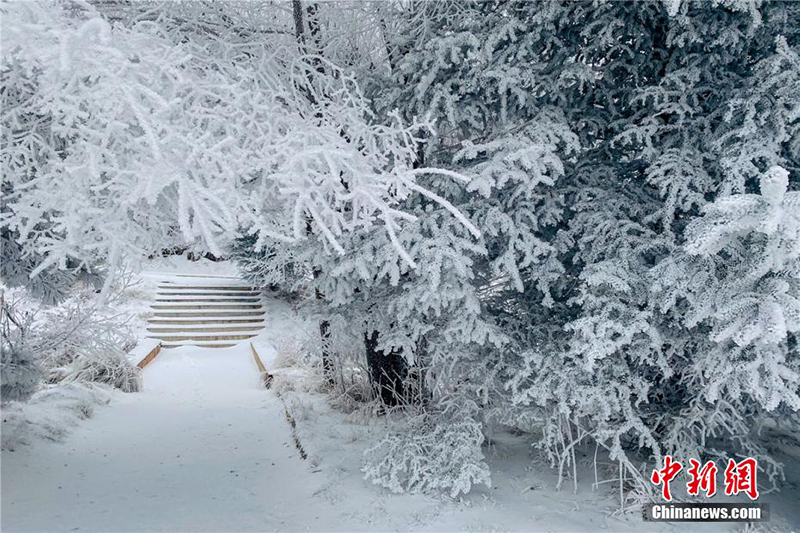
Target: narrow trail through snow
(203, 447)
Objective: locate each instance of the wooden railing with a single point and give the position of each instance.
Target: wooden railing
(289, 418)
(266, 376)
(149, 357)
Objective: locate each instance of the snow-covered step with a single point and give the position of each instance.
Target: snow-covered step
(207, 320)
(203, 338)
(236, 288)
(205, 329)
(201, 307)
(204, 345)
(203, 301)
(206, 277)
(207, 301)
(206, 313)
(206, 298)
(210, 294)
(208, 290)
(209, 344)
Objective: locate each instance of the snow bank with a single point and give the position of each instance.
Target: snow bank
(50, 413)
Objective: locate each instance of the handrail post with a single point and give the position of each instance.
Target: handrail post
(266, 376)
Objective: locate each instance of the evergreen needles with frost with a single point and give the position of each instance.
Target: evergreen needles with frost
(577, 219)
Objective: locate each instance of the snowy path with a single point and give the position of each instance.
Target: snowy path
(202, 448)
(205, 448)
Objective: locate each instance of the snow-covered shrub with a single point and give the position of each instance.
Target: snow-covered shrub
(78, 329)
(292, 370)
(288, 353)
(345, 345)
(110, 367)
(20, 372)
(74, 346)
(50, 413)
(47, 343)
(429, 453)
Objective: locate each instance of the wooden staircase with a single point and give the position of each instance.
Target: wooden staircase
(206, 314)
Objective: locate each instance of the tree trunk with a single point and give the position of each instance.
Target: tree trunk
(325, 337)
(324, 325)
(387, 371)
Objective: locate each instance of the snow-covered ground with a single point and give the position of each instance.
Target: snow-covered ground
(205, 447)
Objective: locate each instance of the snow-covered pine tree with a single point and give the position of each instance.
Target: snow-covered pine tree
(681, 134)
(440, 315)
(602, 129)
